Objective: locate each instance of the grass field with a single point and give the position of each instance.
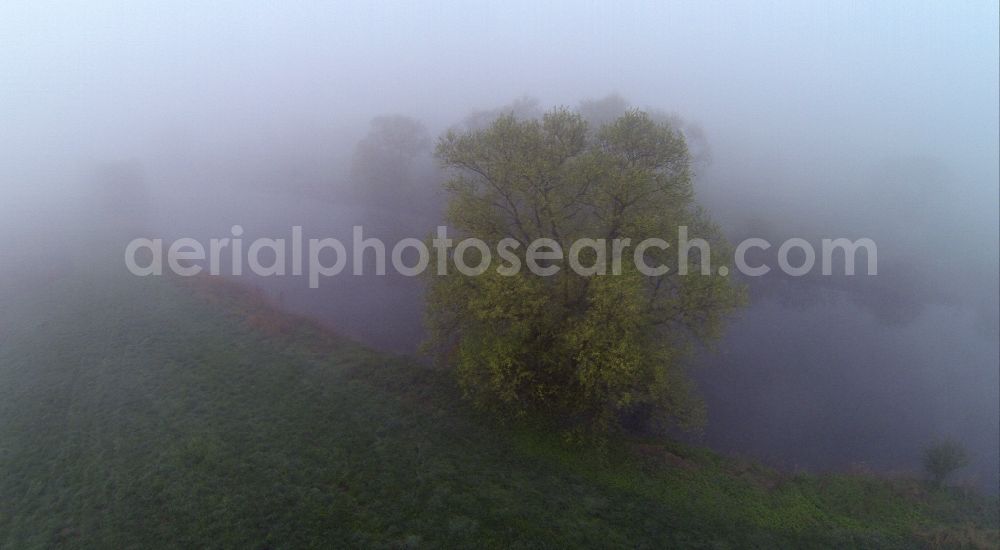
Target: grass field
(149, 413)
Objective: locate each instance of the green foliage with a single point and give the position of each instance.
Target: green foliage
(585, 350)
(943, 458)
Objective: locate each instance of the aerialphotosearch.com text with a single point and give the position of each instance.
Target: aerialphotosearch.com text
(320, 258)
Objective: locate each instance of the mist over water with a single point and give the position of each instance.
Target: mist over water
(819, 121)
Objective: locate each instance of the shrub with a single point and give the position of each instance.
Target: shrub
(941, 459)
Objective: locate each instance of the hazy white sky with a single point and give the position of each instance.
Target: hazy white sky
(886, 74)
(804, 95)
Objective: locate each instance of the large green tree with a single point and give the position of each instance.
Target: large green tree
(587, 350)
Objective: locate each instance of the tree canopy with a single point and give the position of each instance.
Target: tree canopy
(590, 350)
(394, 176)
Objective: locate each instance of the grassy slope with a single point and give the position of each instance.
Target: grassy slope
(141, 413)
